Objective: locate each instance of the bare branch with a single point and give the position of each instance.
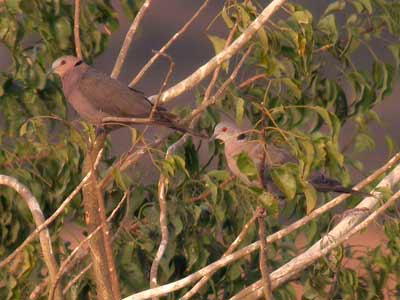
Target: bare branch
(251, 80)
(162, 190)
(59, 210)
(343, 231)
(39, 289)
(38, 217)
(173, 286)
(164, 84)
(231, 248)
(167, 45)
(77, 39)
(203, 106)
(76, 278)
(66, 262)
(202, 72)
(266, 281)
(106, 233)
(214, 78)
(128, 39)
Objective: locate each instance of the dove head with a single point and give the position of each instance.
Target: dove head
(64, 64)
(226, 131)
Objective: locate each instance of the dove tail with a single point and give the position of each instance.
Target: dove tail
(171, 120)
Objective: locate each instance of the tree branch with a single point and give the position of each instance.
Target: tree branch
(231, 248)
(59, 210)
(66, 262)
(223, 56)
(173, 286)
(128, 39)
(166, 46)
(266, 281)
(77, 39)
(343, 231)
(38, 217)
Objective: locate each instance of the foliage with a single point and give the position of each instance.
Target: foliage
(313, 88)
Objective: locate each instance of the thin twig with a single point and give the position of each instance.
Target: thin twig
(173, 286)
(76, 278)
(342, 232)
(79, 247)
(167, 45)
(59, 210)
(164, 84)
(251, 80)
(204, 195)
(38, 217)
(162, 190)
(39, 289)
(204, 105)
(215, 76)
(231, 248)
(87, 268)
(202, 72)
(128, 39)
(266, 281)
(77, 39)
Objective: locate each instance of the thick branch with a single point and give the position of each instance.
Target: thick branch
(77, 39)
(343, 231)
(168, 288)
(223, 56)
(38, 217)
(101, 265)
(266, 281)
(231, 248)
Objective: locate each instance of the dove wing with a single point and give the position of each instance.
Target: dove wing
(113, 97)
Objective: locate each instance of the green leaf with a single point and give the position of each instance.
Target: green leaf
(285, 180)
(327, 25)
(334, 153)
(302, 17)
(247, 166)
(239, 110)
(311, 197)
(334, 7)
(293, 86)
(219, 45)
(269, 202)
(364, 142)
(395, 50)
(134, 135)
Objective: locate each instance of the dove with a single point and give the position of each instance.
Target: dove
(265, 157)
(95, 96)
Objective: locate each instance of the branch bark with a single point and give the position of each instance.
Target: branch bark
(166, 46)
(344, 230)
(128, 39)
(173, 286)
(78, 48)
(101, 266)
(202, 72)
(38, 217)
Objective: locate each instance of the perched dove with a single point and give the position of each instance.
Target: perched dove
(265, 157)
(95, 95)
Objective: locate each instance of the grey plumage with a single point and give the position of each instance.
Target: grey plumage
(264, 157)
(95, 95)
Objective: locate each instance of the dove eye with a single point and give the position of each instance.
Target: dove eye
(225, 129)
(62, 62)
